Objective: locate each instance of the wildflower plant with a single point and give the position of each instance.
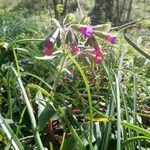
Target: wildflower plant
(76, 43)
(79, 39)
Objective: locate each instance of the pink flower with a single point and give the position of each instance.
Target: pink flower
(74, 49)
(47, 51)
(48, 46)
(98, 55)
(98, 52)
(98, 60)
(87, 31)
(111, 38)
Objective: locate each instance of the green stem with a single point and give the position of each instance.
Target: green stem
(9, 97)
(16, 61)
(20, 121)
(118, 87)
(58, 75)
(30, 111)
(135, 100)
(118, 117)
(40, 79)
(51, 146)
(107, 129)
(136, 47)
(63, 139)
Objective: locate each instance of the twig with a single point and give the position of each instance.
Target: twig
(129, 24)
(136, 47)
(79, 7)
(30, 137)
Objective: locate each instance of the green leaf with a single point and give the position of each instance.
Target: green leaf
(10, 134)
(96, 133)
(128, 141)
(136, 47)
(46, 57)
(136, 128)
(100, 34)
(68, 37)
(58, 40)
(102, 27)
(69, 19)
(2, 137)
(45, 110)
(70, 143)
(85, 20)
(34, 86)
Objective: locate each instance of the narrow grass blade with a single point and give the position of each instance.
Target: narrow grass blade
(110, 112)
(136, 128)
(136, 47)
(30, 111)
(63, 139)
(118, 116)
(40, 79)
(128, 141)
(10, 134)
(34, 86)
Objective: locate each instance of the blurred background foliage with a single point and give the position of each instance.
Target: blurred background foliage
(24, 24)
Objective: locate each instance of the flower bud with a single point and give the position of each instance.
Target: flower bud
(98, 55)
(111, 38)
(74, 49)
(48, 46)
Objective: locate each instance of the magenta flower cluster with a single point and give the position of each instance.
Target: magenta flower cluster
(87, 32)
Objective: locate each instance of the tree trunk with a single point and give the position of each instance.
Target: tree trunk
(109, 10)
(129, 11)
(102, 11)
(118, 12)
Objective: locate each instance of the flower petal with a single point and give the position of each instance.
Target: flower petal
(98, 60)
(47, 51)
(87, 31)
(74, 49)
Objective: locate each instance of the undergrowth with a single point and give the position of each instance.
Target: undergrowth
(69, 102)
